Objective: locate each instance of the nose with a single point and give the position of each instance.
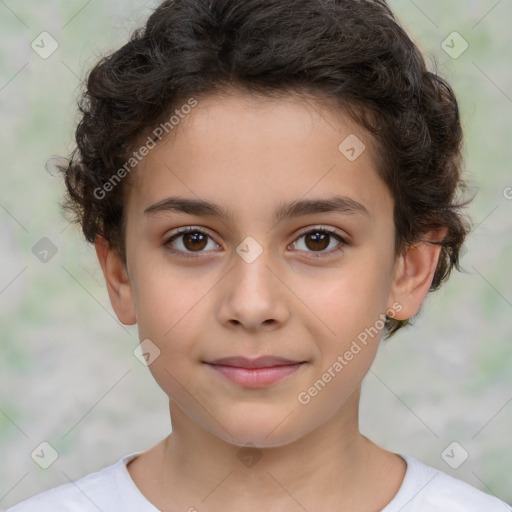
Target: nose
(253, 296)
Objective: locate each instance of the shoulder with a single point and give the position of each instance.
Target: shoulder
(426, 489)
(102, 490)
(447, 491)
(63, 498)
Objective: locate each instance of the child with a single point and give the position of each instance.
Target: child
(314, 162)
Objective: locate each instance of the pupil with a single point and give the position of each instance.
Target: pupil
(194, 237)
(318, 240)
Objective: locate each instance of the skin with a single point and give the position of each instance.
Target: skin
(250, 155)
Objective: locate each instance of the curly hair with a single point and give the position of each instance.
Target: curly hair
(351, 53)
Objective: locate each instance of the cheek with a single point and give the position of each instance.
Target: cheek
(344, 301)
(166, 300)
(167, 313)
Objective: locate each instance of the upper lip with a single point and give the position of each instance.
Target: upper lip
(258, 362)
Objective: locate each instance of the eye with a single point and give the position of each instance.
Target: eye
(189, 240)
(318, 239)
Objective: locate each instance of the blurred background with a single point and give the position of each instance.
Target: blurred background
(440, 391)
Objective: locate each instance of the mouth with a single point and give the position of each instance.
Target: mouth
(255, 373)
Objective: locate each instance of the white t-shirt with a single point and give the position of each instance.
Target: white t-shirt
(424, 489)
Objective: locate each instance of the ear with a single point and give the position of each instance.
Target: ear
(117, 281)
(414, 273)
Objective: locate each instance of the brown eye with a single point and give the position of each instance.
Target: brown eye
(194, 241)
(319, 240)
(190, 240)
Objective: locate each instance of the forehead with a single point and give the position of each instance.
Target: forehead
(248, 153)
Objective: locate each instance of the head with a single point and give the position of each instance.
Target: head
(262, 110)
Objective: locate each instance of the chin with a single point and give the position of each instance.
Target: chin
(259, 431)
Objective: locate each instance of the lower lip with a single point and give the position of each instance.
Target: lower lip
(256, 377)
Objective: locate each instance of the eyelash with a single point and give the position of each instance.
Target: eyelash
(321, 229)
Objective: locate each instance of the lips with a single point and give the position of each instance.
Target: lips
(259, 362)
(255, 373)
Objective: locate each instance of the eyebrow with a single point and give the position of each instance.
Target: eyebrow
(300, 207)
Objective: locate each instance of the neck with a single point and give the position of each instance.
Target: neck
(334, 465)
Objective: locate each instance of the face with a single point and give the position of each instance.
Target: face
(311, 286)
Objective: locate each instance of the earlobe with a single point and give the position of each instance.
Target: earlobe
(414, 274)
(117, 281)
